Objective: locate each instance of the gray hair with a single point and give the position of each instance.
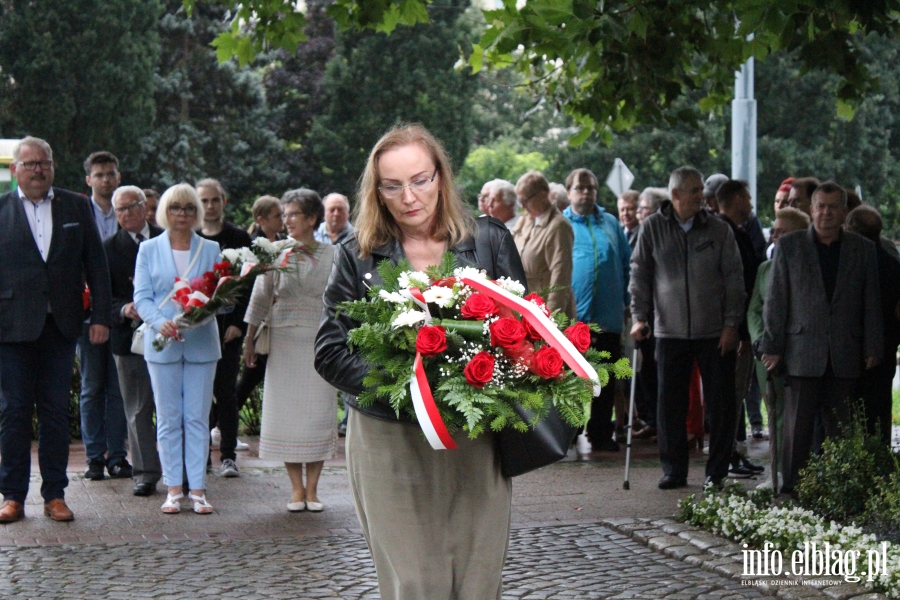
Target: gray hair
(34, 143)
(558, 195)
(308, 201)
(682, 174)
(655, 196)
(181, 192)
(337, 195)
(129, 189)
(507, 191)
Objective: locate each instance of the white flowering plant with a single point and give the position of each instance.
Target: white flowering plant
(480, 356)
(752, 519)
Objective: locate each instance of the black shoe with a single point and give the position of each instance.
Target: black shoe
(95, 470)
(715, 482)
(143, 488)
(342, 430)
(605, 446)
(120, 470)
(670, 482)
(745, 462)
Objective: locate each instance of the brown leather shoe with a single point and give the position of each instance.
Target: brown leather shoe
(57, 510)
(11, 511)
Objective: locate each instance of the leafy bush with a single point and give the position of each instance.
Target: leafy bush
(883, 508)
(838, 483)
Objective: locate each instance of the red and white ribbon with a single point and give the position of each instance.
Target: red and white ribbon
(426, 409)
(181, 291)
(415, 294)
(427, 412)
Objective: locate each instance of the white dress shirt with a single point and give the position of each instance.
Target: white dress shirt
(40, 220)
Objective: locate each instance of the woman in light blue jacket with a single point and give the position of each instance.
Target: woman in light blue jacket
(182, 374)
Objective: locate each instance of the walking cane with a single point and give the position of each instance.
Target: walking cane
(645, 331)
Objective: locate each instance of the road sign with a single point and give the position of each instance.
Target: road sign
(620, 178)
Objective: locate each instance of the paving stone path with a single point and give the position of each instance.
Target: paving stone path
(571, 561)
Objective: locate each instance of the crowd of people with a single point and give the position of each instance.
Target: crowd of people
(683, 276)
(107, 263)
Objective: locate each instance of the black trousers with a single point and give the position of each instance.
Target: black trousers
(675, 359)
(249, 379)
(803, 399)
(224, 411)
(600, 428)
(648, 381)
(875, 388)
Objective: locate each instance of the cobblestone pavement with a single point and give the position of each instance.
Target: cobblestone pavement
(570, 561)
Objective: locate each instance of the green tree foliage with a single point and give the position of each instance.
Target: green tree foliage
(78, 74)
(375, 81)
(497, 161)
(615, 63)
(211, 117)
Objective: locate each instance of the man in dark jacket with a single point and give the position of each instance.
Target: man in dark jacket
(231, 326)
(686, 269)
(823, 319)
(875, 385)
(129, 203)
(50, 244)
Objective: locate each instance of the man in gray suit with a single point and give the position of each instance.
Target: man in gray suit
(50, 245)
(823, 322)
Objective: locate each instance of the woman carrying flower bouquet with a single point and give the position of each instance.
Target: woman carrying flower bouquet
(299, 409)
(436, 522)
(182, 372)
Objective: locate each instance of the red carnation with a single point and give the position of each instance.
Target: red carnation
(580, 336)
(546, 363)
(478, 306)
(431, 340)
(480, 369)
(507, 332)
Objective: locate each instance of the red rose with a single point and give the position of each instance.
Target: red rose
(580, 336)
(480, 369)
(507, 332)
(478, 306)
(536, 299)
(532, 333)
(546, 363)
(431, 340)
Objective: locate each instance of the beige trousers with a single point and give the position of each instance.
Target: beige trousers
(436, 521)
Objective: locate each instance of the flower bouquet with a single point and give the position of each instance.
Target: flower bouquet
(203, 297)
(455, 350)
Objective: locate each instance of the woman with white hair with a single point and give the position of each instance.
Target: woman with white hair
(182, 373)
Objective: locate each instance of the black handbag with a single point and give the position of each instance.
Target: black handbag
(549, 440)
(544, 444)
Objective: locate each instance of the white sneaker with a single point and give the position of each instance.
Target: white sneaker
(242, 446)
(228, 469)
(215, 437)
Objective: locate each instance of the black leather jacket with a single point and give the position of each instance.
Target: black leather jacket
(346, 370)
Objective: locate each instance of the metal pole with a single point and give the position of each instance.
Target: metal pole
(743, 128)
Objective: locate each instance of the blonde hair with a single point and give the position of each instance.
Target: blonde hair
(181, 192)
(375, 224)
(794, 218)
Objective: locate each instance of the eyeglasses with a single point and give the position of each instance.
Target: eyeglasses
(187, 210)
(121, 210)
(585, 189)
(418, 186)
(31, 165)
(644, 209)
(524, 201)
(290, 215)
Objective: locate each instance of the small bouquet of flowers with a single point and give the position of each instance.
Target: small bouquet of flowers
(203, 297)
(455, 350)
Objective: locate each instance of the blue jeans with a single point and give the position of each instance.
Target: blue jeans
(183, 392)
(103, 425)
(35, 374)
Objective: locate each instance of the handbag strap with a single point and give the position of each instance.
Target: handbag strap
(184, 276)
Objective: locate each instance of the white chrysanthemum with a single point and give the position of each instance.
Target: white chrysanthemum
(410, 279)
(512, 286)
(408, 318)
(231, 255)
(263, 243)
(440, 295)
(283, 244)
(247, 256)
(469, 272)
(394, 297)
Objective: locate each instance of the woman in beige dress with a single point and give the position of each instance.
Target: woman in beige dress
(299, 410)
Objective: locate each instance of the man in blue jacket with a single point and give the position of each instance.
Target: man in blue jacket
(600, 270)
